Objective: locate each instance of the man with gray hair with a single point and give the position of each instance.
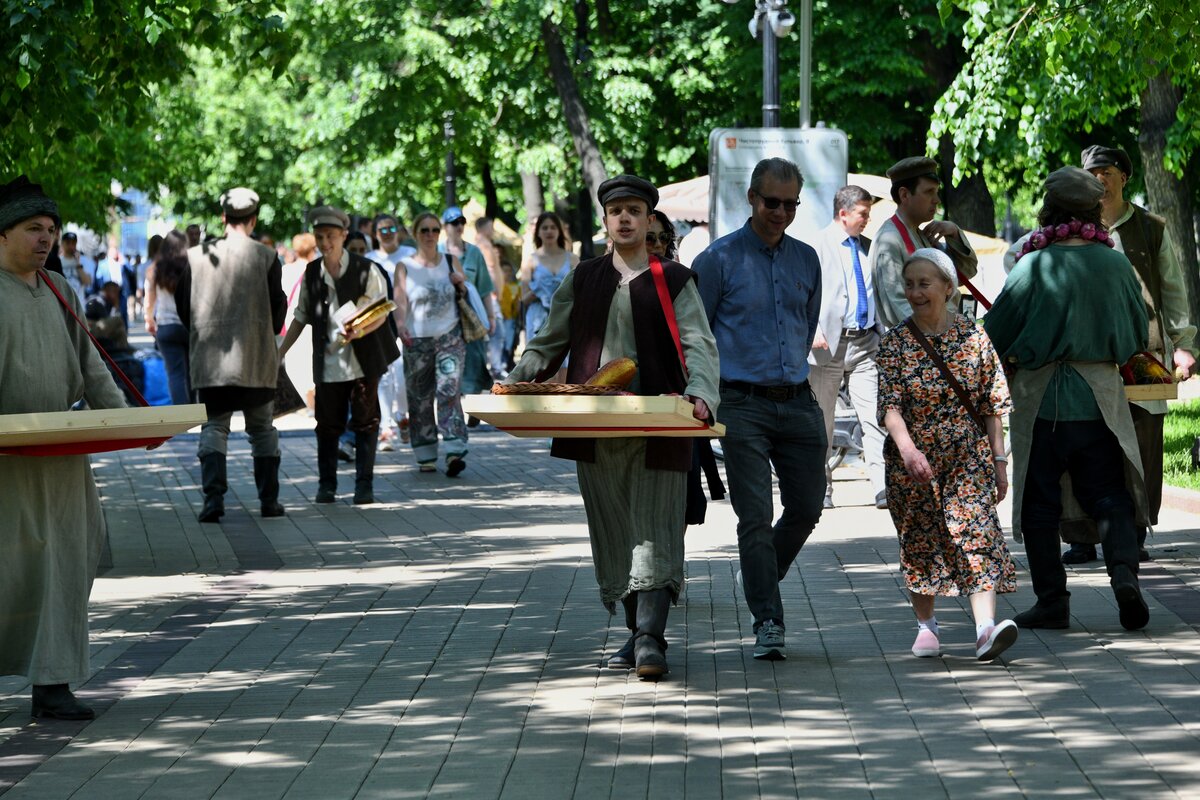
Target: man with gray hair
(847, 338)
(233, 304)
(762, 293)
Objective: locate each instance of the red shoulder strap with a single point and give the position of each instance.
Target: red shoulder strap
(910, 247)
(664, 299)
(119, 372)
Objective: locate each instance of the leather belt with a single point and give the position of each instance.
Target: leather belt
(779, 394)
(856, 333)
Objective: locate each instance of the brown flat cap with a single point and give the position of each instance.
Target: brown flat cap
(913, 167)
(1098, 156)
(1073, 189)
(328, 215)
(240, 202)
(627, 186)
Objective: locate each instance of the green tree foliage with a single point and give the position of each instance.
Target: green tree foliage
(77, 77)
(1045, 77)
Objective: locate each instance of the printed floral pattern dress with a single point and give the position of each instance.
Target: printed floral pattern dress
(951, 542)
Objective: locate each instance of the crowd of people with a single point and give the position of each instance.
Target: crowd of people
(760, 332)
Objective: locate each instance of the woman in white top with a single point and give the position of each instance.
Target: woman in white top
(426, 290)
(162, 318)
(543, 270)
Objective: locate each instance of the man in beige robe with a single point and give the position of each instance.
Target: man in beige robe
(53, 528)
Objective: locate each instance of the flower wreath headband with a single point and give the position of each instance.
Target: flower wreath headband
(1048, 235)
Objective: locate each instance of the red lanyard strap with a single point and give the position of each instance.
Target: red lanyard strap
(119, 372)
(664, 298)
(910, 247)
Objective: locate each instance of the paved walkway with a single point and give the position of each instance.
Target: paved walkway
(445, 643)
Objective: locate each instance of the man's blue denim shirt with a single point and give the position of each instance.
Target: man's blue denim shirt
(762, 304)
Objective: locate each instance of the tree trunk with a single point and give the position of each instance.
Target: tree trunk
(969, 204)
(1168, 195)
(535, 198)
(575, 112)
(491, 202)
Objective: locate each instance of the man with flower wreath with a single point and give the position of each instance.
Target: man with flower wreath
(1145, 240)
(1070, 417)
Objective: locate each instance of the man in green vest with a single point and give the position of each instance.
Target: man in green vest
(1144, 239)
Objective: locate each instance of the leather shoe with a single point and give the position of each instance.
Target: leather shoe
(1133, 609)
(1080, 554)
(623, 658)
(213, 510)
(1144, 555)
(1055, 617)
(55, 701)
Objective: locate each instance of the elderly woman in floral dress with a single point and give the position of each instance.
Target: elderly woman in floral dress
(945, 464)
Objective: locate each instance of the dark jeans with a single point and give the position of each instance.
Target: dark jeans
(791, 436)
(1149, 430)
(172, 341)
(358, 397)
(1091, 454)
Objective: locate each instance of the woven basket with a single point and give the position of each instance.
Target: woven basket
(552, 388)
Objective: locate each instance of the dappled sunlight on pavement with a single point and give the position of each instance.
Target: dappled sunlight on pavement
(447, 642)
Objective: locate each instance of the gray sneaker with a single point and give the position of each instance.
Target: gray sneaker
(768, 644)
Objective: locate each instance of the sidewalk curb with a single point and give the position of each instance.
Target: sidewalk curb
(1180, 499)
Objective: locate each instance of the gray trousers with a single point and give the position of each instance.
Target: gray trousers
(260, 427)
(855, 361)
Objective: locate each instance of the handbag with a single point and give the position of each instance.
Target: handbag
(703, 461)
(471, 312)
(955, 386)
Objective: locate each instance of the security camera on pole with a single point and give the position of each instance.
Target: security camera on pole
(773, 21)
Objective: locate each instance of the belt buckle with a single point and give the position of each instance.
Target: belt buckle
(779, 394)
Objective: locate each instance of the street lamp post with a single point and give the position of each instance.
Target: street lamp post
(451, 195)
(771, 21)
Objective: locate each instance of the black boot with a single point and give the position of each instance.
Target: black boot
(649, 645)
(624, 658)
(364, 467)
(1079, 554)
(327, 462)
(266, 478)
(1143, 553)
(213, 480)
(1118, 537)
(55, 701)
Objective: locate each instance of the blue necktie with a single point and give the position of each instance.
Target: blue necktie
(859, 283)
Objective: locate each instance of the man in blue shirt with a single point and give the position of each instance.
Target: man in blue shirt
(762, 293)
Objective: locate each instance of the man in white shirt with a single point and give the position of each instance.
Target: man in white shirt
(847, 336)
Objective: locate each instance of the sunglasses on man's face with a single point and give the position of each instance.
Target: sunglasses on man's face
(389, 229)
(772, 203)
(427, 231)
(663, 238)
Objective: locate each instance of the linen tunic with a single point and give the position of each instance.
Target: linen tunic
(51, 524)
(635, 514)
(951, 542)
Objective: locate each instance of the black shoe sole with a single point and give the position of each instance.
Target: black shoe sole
(212, 516)
(771, 655)
(455, 467)
(273, 511)
(68, 716)
(325, 498)
(360, 500)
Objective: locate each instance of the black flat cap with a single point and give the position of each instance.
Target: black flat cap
(1098, 156)
(628, 186)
